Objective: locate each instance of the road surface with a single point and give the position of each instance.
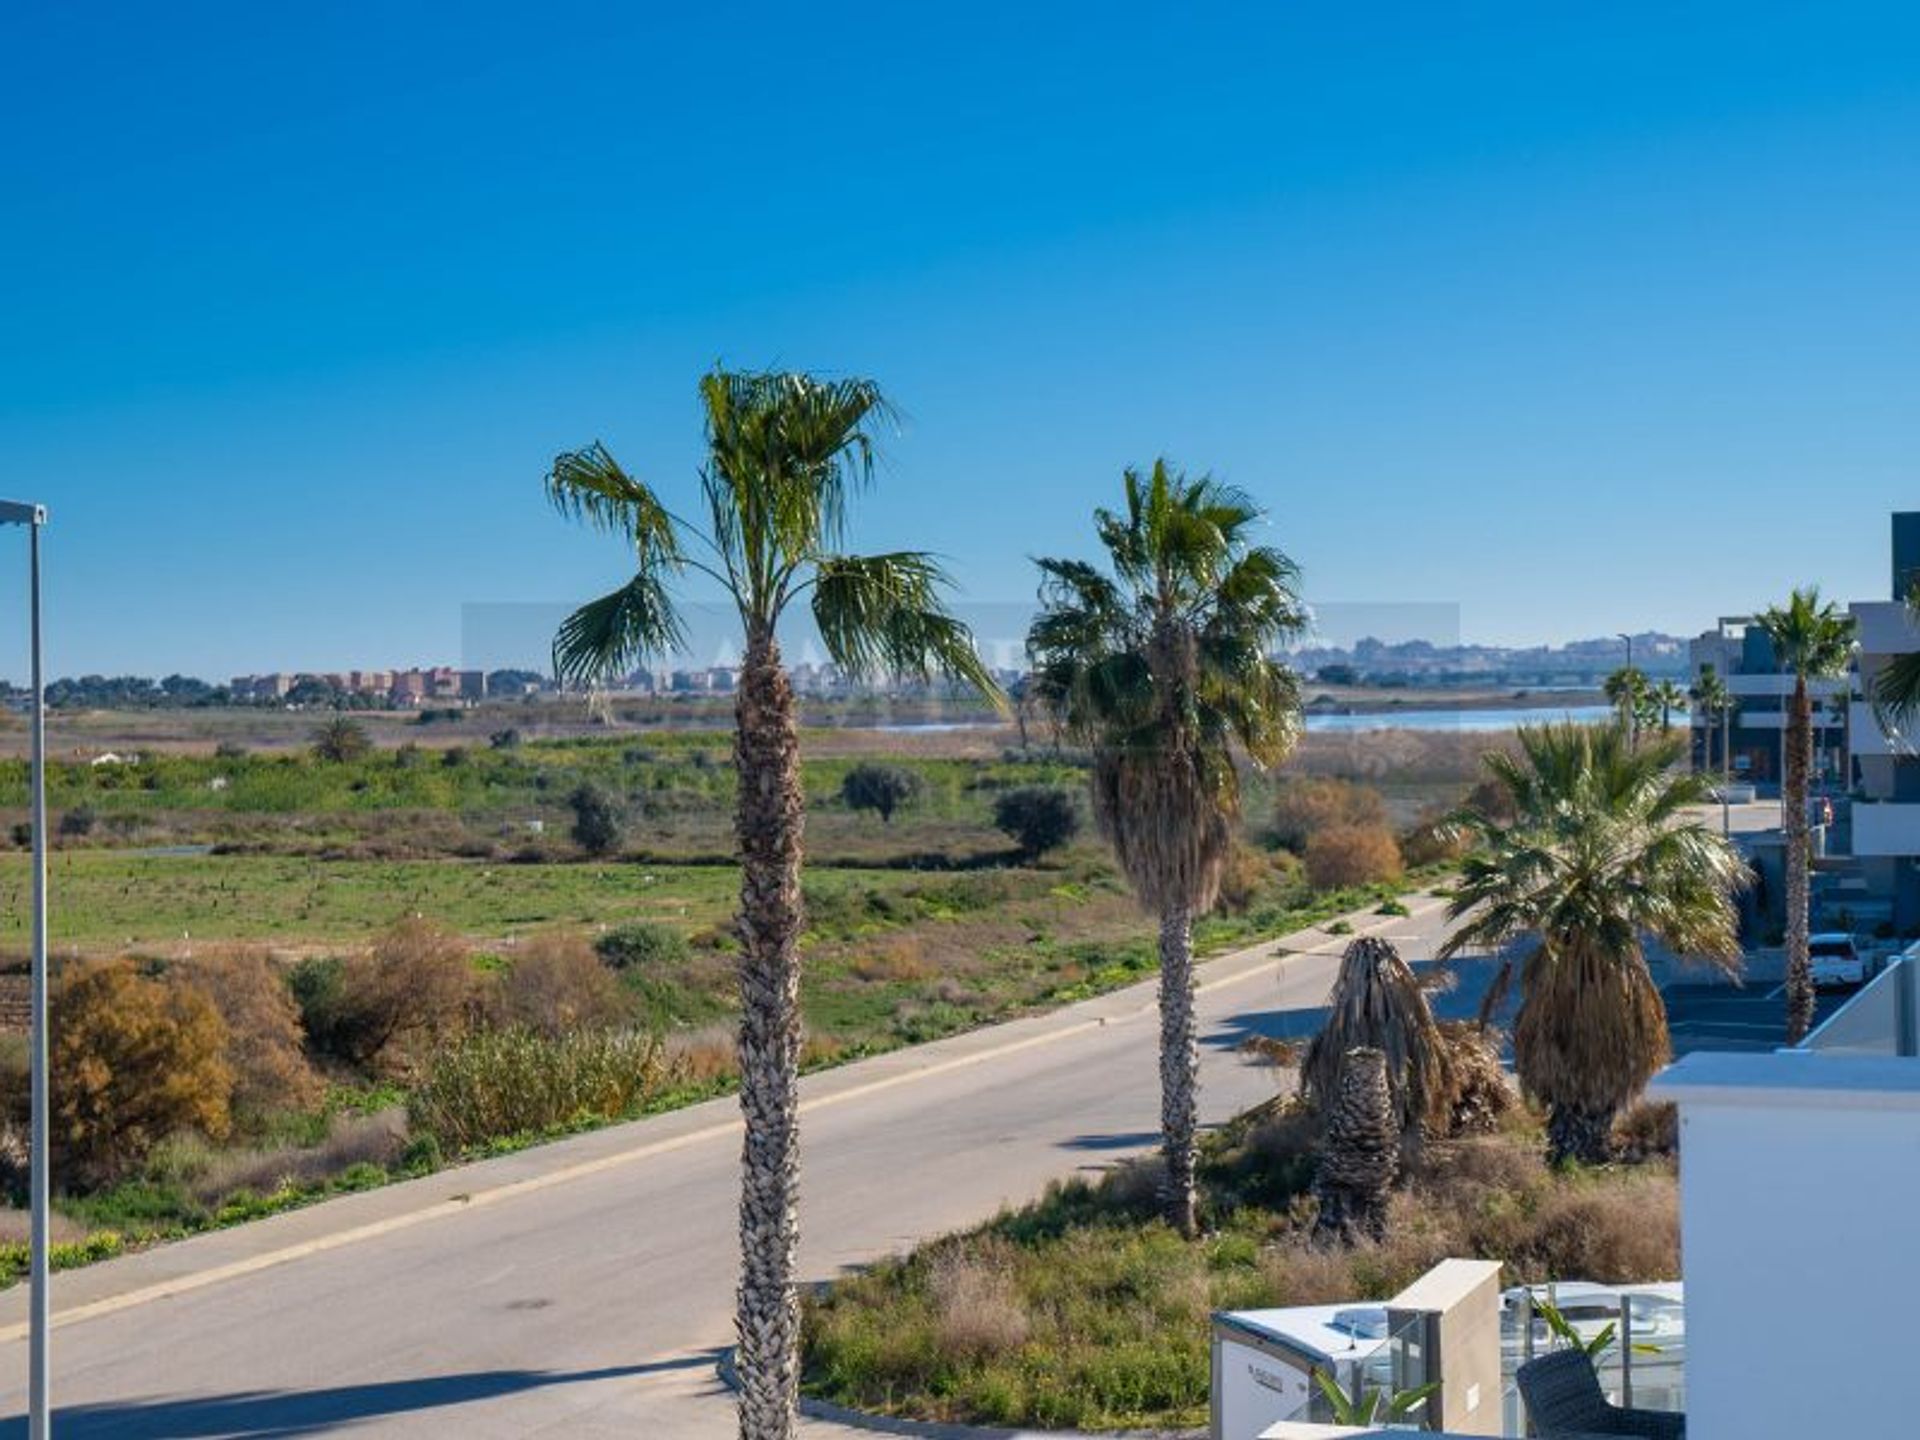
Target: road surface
(583, 1289)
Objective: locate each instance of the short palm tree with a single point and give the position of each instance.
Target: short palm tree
(1627, 690)
(1896, 689)
(1162, 669)
(1712, 701)
(1811, 641)
(784, 453)
(1602, 855)
(1377, 1003)
(1669, 697)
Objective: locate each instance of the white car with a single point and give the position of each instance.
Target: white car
(1836, 960)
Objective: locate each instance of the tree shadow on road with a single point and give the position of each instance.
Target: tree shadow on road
(269, 1414)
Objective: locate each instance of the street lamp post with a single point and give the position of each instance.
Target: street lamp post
(39, 1415)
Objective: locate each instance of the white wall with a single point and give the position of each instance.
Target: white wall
(1799, 1175)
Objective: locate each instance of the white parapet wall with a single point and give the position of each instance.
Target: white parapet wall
(1799, 1176)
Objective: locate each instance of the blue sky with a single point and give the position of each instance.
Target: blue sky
(1577, 319)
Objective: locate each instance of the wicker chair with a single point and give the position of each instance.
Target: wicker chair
(1564, 1399)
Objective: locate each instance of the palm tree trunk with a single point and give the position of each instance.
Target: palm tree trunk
(769, 821)
(1577, 1133)
(1179, 1069)
(1799, 968)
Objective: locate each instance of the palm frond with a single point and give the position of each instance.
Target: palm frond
(884, 614)
(610, 635)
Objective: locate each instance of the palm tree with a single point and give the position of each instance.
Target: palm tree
(784, 454)
(1601, 855)
(1161, 669)
(1669, 697)
(1626, 690)
(1811, 641)
(1712, 700)
(1377, 1003)
(1361, 1153)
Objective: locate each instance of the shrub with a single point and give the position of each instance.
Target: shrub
(1037, 818)
(642, 945)
(882, 788)
(1249, 874)
(1306, 806)
(1347, 855)
(1647, 1130)
(384, 1009)
(507, 739)
(499, 1083)
(265, 1040)
(75, 824)
(341, 741)
(596, 820)
(229, 750)
(133, 1059)
(557, 985)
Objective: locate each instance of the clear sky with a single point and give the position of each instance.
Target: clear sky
(1579, 319)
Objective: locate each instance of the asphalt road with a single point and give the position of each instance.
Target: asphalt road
(583, 1289)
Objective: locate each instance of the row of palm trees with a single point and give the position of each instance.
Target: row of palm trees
(1158, 661)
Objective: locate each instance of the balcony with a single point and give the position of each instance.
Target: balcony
(1886, 827)
(1754, 685)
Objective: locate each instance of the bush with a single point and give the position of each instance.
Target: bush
(265, 1044)
(500, 1083)
(341, 741)
(75, 824)
(1250, 875)
(1037, 818)
(1306, 806)
(557, 985)
(596, 820)
(133, 1059)
(383, 1010)
(1343, 856)
(642, 945)
(882, 788)
(1433, 843)
(1491, 798)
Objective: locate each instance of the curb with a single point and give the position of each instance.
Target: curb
(939, 1430)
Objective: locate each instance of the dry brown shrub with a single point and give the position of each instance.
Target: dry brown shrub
(414, 989)
(1432, 842)
(1307, 806)
(133, 1059)
(977, 1304)
(266, 1045)
(1616, 1233)
(1349, 855)
(1250, 873)
(1647, 1130)
(896, 959)
(1481, 1093)
(556, 986)
(699, 1057)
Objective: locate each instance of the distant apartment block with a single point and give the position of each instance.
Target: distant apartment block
(1886, 763)
(1754, 730)
(400, 687)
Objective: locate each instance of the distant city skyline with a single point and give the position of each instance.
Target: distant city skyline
(1565, 322)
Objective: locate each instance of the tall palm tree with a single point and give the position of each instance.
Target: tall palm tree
(1811, 641)
(1627, 690)
(1601, 855)
(1161, 669)
(1712, 700)
(784, 454)
(1669, 697)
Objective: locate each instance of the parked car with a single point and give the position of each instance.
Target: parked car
(1836, 960)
